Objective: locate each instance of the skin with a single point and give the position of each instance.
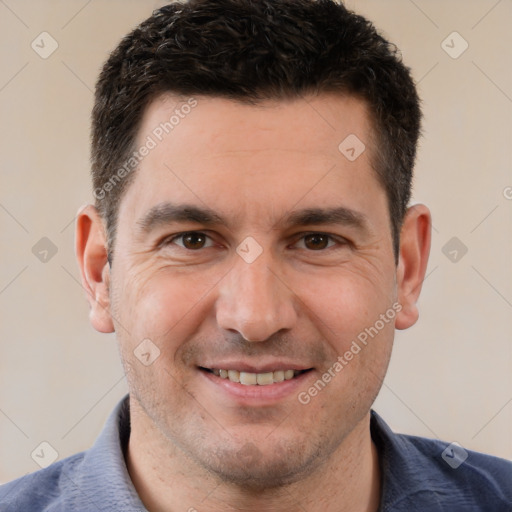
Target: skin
(303, 300)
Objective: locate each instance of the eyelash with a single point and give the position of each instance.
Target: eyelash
(340, 241)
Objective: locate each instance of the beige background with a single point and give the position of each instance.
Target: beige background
(450, 375)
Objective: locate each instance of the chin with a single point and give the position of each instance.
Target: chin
(251, 469)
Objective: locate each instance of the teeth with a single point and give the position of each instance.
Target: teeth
(263, 379)
(249, 379)
(279, 376)
(252, 379)
(234, 375)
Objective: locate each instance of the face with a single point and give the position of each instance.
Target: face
(248, 244)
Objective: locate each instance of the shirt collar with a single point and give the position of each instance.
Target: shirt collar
(105, 475)
(408, 470)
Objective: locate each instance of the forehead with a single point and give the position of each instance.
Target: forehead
(265, 156)
(305, 125)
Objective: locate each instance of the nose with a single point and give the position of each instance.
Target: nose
(254, 301)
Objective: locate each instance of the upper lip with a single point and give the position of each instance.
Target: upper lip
(243, 366)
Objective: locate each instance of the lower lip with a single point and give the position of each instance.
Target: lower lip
(255, 394)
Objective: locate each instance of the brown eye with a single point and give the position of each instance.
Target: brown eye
(191, 245)
(193, 240)
(316, 241)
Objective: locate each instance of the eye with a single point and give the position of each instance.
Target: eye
(318, 242)
(191, 240)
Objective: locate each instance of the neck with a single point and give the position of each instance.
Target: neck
(167, 480)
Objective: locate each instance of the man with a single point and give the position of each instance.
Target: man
(253, 249)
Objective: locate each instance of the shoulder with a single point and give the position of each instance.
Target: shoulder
(96, 479)
(428, 474)
(468, 472)
(44, 490)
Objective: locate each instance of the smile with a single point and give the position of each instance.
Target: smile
(255, 379)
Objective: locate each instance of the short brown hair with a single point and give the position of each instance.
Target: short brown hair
(251, 51)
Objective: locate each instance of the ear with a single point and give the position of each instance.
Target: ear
(412, 264)
(91, 253)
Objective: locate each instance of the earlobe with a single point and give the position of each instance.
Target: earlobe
(91, 253)
(412, 266)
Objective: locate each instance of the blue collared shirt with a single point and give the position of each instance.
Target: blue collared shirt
(418, 475)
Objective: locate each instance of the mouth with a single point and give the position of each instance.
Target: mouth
(256, 379)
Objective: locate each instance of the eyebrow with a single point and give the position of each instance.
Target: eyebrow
(166, 213)
(338, 215)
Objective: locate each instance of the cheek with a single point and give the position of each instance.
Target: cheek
(346, 303)
(164, 304)
(166, 308)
